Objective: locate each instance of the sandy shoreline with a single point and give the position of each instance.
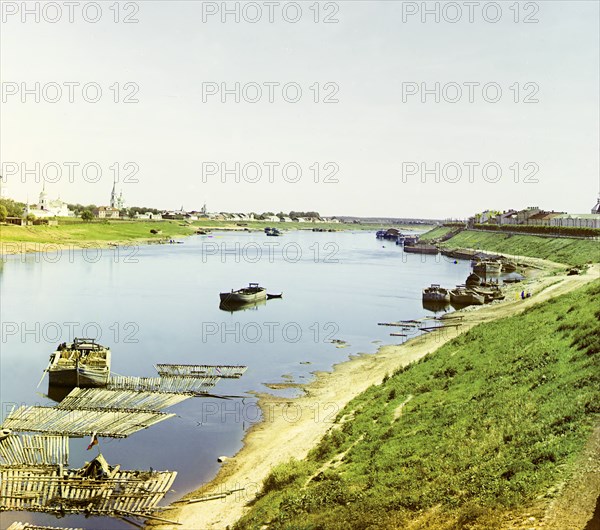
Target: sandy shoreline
(291, 427)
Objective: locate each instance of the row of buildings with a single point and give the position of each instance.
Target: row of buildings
(46, 208)
(534, 215)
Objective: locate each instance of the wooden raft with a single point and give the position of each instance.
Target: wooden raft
(200, 370)
(175, 385)
(128, 400)
(34, 450)
(52, 491)
(109, 423)
(18, 525)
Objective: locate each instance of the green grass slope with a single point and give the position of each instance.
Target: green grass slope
(437, 232)
(485, 426)
(565, 250)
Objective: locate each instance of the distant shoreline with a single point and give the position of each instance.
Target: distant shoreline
(71, 236)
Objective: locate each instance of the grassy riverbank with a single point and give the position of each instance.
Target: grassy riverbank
(437, 232)
(564, 250)
(86, 233)
(480, 434)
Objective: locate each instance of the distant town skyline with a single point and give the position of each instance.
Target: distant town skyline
(394, 116)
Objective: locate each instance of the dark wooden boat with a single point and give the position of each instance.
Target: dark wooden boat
(252, 293)
(436, 294)
(83, 363)
(509, 266)
(490, 293)
(274, 295)
(462, 296)
(473, 280)
(487, 267)
(421, 249)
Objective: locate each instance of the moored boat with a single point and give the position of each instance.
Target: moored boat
(490, 293)
(436, 294)
(421, 249)
(463, 296)
(509, 266)
(473, 280)
(252, 293)
(487, 267)
(83, 363)
(410, 240)
(274, 295)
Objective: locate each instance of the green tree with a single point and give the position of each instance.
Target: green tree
(30, 218)
(3, 213)
(13, 208)
(87, 215)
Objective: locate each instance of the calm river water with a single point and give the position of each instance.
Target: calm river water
(160, 304)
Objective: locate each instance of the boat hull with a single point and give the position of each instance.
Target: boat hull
(421, 249)
(466, 298)
(86, 377)
(487, 268)
(243, 298)
(436, 298)
(509, 267)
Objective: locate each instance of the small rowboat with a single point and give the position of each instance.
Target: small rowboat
(252, 293)
(274, 295)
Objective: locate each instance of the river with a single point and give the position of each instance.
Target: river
(159, 304)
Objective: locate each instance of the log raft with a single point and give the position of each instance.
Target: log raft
(77, 422)
(200, 370)
(34, 450)
(127, 400)
(50, 490)
(175, 385)
(18, 525)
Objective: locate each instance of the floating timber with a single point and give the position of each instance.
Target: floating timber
(174, 385)
(17, 525)
(96, 489)
(76, 422)
(200, 370)
(128, 400)
(34, 450)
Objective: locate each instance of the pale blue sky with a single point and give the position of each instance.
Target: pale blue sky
(369, 133)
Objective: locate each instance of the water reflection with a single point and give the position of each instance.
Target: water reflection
(232, 307)
(437, 307)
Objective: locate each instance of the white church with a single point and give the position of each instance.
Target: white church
(48, 208)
